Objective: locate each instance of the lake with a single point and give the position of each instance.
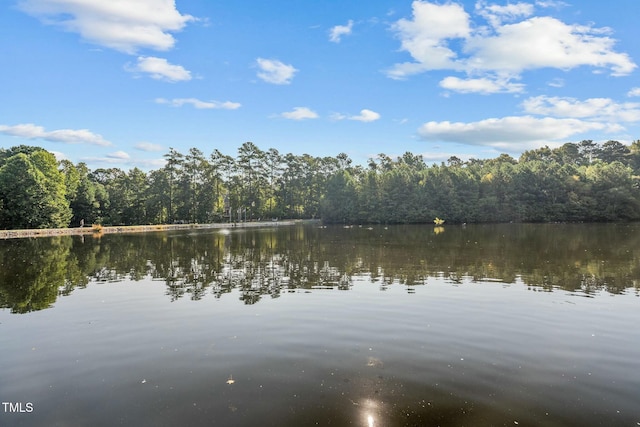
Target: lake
(478, 325)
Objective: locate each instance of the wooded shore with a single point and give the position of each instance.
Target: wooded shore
(100, 230)
(584, 182)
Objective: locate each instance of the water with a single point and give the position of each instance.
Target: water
(528, 325)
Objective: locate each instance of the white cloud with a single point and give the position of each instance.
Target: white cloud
(560, 119)
(511, 133)
(545, 42)
(634, 92)
(67, 136)
(442, 37)
(496, 14)
(600, 109)
(59, 155)
(556, 82)
(274, 71)
(123, 25)
(115, 159)
(366, 116)
(149, 163)
(300, 113)
(119, 155)
(196, 103)
(148, 146)
(425, 37)
(336, 33)
(484, 85)
(551, 3)
(160, 69)
(28, 130)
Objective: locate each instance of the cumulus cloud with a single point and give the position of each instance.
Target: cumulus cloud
(551, 3)
(118, 159)
(151, 163)
(444, 37)
(511, 133)
(556, 82)
(274, 71)
(599, 109)
(123, 25)
(634, 92)
(546, 42)
(483, 85)
(366, 116)
(160, 69)
(497, 14)
(119, 155)
(66, 136)
(196, 103)
(560, 119)
(300, 113)
(425, 37)
(148, 146)
(336, 33)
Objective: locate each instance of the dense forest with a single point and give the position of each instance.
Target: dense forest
(582, 181)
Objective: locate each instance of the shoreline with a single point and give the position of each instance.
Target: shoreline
(48, 232)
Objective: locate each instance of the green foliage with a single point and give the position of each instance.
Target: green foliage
(575, 182)
(341, 197)
(32, 191)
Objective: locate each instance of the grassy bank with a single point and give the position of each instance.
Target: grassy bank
(100, 230)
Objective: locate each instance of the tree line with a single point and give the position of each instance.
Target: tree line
(582, 181)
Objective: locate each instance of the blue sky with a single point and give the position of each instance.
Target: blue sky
(115, 84)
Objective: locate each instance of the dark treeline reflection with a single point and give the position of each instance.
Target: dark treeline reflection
(584, 258)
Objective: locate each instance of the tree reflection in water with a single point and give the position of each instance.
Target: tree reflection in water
(581, 258)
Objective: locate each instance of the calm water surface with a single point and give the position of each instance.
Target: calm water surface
(502, 325)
